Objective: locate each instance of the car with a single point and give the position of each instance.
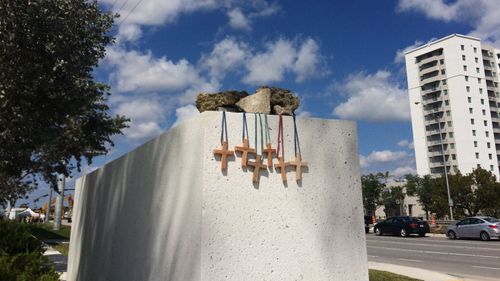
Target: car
(403, 226)
(480, 227)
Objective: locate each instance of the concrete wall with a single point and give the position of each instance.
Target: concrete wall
(166, 212)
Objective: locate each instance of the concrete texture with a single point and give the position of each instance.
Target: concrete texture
(165, 211)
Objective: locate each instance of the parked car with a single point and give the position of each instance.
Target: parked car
(403, 225)
(483, 228)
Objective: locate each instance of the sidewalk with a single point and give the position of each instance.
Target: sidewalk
(59, 261)
(413, 272)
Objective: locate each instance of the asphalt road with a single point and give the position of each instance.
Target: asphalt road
(472, 259)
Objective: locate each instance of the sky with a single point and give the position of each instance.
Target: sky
(344, 59)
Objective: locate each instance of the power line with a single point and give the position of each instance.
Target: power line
(123, 5)
(137, 4)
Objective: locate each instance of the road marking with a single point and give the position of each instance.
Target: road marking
(401, 259)
(438, 240)
(486, 267)
(436, 245)
(435, 252)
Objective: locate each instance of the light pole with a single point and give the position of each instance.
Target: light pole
(450, 202)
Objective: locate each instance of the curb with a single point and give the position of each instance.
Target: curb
(413, 272)
(58, 260)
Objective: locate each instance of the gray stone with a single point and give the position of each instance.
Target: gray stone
(257, 103)
(211, 102)
(287, 102)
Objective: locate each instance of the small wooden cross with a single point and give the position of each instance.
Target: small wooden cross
(224, 153)
(245, 150)
(298, 166)
(269, 151)
(257, 166)
(282, 166)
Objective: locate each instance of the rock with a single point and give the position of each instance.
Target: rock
(257, 103)
(226, 99)
(282, 110)
(282, 100)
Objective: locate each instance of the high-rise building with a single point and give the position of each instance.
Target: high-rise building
(455, 105)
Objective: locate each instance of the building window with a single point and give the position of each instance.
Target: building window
(482, 101)
(442, 71)
(481, 90)
(487, 134)
(477, 69)
(472, 121)
(441, 61)
(477, 155)
(451, 135)
(445, 92)
(469, 99)
(467, 88)
(485, 123)
(479, 80)
(475, 143)
(475, 50)
(465, 67)
(484, 112)
(491, 167)
(471, 110)
(488, 145)
(453, 157)
(474, 133)
(476, 59)
(452, 145)
(489, 156)
(444, 82)
(466, 78)
(449, 123)
(446, 102)
(447, 113)
(462, 47)
(478, 166)
(463, 57)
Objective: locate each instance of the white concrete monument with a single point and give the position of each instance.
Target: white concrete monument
(166, 211)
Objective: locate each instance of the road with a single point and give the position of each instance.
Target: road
(472, 259)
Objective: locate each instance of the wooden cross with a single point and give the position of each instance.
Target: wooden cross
(269, 151)
(245, 150)
(298, 166)
(257, 166)
(282, 166)
(224, 153)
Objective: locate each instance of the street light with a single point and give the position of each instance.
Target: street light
(450, 202)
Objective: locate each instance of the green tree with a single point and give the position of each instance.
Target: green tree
(422, 188)
(53, 114)
(392, 199)
(372, 188)
(486, 191)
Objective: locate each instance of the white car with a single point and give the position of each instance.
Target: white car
(483, 228)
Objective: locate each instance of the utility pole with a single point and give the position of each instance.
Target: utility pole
(47, 212)
(59, 201)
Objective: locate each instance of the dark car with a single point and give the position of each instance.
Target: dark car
(403, 226)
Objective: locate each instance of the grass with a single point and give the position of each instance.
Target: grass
(63, 248)
(43, 231)
(377, 275)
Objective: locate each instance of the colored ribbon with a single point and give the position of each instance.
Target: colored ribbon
(281, 145)
(245, 127)
(223, 133)
(296, 141)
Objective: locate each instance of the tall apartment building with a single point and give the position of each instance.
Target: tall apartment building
(455, 104)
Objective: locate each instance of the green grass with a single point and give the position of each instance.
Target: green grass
(377, 275)
(43, 231)
(63, 248)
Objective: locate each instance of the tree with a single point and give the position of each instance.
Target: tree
(392, 199)
(52, 112)
(487, 192)
(421, 187)
(371, 187)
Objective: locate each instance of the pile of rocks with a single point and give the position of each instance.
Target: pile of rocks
(267, 100)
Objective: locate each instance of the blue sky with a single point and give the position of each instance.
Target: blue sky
(343, 58)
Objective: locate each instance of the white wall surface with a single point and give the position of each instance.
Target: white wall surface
(166, 212)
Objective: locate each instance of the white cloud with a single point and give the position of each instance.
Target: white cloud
(238, 20)
(137, 71)
(482, 15)
(281, 57)
(308, 59)
(400, 54)
(382, 157)
(185, 113)
(401, 171)
(226, 56)
(373, 97)
(405, 143)
(145, 117)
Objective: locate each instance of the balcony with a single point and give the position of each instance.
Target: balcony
(432, 78)
(431, 90)
(496, 130)
(492, 98)
(430, 101)
(431, 69)
(430, 59)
